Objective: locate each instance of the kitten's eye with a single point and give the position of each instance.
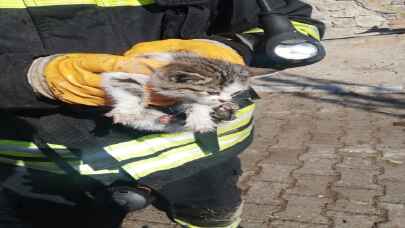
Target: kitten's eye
(213, 93)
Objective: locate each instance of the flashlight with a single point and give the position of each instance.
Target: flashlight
(282, 45)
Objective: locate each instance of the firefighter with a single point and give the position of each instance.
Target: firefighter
(63, 164)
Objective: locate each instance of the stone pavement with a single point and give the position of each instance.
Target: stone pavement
(321, 160)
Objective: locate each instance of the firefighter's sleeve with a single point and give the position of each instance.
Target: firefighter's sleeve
(238, 16)
(15, 91)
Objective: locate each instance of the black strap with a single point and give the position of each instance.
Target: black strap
(87, 185)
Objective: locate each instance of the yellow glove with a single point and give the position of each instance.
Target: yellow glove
(74, 78)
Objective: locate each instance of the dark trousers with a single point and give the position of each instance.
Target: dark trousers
(208, 198)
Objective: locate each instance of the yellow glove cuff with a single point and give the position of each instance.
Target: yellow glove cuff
(205, 48)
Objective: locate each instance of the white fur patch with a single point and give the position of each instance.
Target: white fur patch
(199, 118)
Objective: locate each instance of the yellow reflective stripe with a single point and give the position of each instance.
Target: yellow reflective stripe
(183, 223)
(179, 156)
(12, 4)
(112, 3)
(36, 3)
(168, 160)
(19, 4)
(233, 139)
(26, 149)
(245, 110)
(24, 144)
(85, 169)
(140, 148)
(27, 144)
(307, 29)
(22, 154)
(244, 116)
(29, 150)
(254, 30)
(42, 166)
(235, 224)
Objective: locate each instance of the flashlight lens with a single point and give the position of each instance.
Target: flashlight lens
(296, 51)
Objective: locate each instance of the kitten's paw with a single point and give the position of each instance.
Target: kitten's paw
(225, 112)
(167, 119)
(229, 106)
(202, 125)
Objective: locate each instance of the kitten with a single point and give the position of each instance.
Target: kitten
(200, 85)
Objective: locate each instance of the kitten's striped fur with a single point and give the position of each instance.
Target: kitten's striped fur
(200, 84)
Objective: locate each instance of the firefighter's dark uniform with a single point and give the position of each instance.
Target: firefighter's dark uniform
(57, 161)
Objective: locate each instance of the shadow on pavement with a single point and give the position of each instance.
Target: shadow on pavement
(386, 100)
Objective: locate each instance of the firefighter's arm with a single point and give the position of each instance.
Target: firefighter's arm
(15, 91)
(75, 78)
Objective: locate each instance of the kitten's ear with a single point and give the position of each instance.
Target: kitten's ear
(254, 71)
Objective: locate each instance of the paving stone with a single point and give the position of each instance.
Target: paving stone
(283, 156)
(395, 214)
(265, 193)
(392, 172)
(357, 178)
(141, 224)
(327, 138)
(251, 157)
(275, 173)
(253, 224)
(355, 207)
(392, 136)
(357, 163)
(360, 195)
(317, 166)
(345, 220)
(285, 224)
(323, 151)
(257, 213)
(315, 186)
(357, 137)
(359, 151)
(149, 214)
(395, 156)
(394, 192)
(293, 138)
(303, 209)
(328, 125)
(274, 103)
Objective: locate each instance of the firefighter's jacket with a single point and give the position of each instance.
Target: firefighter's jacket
(61, 139)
